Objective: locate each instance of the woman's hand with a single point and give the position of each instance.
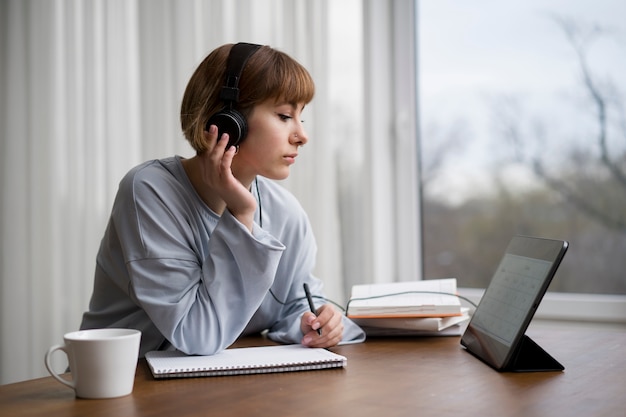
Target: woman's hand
(328, 321)
(217, 175)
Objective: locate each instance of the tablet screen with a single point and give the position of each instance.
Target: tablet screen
(508, 299)
(512, 297)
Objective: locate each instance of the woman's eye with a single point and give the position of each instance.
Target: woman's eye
(284, 117)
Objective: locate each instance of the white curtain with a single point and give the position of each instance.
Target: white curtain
(90, 88)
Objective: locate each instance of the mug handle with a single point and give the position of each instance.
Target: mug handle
(49, 366)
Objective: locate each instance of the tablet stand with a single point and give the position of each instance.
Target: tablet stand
(530, 357)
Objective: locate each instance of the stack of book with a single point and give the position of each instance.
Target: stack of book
(426, 308)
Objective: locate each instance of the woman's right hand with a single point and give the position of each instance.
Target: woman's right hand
(217, 175)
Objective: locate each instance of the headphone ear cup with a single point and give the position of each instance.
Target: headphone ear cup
(232, 122)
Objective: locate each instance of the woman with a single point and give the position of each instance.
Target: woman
(200, 251)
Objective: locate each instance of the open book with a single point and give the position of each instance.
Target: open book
(241, 361)
(427, 298)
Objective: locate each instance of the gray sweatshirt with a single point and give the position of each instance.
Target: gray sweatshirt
(195, 281)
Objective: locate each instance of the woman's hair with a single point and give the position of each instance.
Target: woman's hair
(268, 74)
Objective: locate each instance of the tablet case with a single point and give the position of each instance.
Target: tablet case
(527, 356)
(530, 357)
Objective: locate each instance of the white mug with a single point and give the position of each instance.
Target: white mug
(102, 361)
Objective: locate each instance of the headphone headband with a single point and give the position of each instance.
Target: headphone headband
(237, 59)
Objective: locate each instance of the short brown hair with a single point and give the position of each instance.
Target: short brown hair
(268, 74)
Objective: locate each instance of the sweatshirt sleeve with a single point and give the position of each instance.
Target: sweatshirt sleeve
(200, 296)
(287, 329)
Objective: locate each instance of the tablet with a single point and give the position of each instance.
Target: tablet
(496, 331)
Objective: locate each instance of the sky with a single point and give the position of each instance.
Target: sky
(474, 54)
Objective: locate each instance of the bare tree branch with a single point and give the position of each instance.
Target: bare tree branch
(509, 115)
(578, 42)
(443, 143)
(579, 201)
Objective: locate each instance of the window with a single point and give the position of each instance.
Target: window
(524, 132)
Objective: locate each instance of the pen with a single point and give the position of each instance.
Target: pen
(311, 305)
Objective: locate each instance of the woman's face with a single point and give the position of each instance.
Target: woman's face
(275, 132)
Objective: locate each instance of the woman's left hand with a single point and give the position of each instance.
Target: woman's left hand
(328, 321)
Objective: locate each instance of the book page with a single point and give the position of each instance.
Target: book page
(433, 324)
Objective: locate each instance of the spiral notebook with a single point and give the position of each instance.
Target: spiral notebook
(243, 361)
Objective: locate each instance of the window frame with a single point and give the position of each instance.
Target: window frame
(572, 307)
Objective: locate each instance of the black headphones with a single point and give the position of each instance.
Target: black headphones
(228, 119)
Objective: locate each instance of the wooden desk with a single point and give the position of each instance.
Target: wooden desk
(384, 377)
